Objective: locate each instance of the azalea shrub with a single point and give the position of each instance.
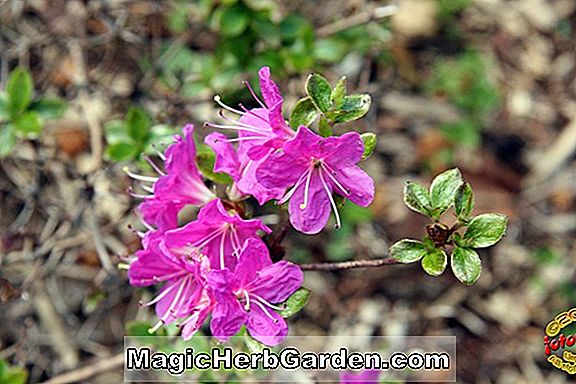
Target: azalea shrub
(217, 265)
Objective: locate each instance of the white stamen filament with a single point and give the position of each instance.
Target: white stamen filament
(263, 308)
(250, 112)
(306, 190)
(289, 194)
(139, 177)
(242, 124)
(222, 265)
(263, 301)
(254, 95)
(333, 178)
(156, 327)
(245, 138)
(235, 241)
(158, 298)
(154, 166)
(157, 279)
(332, 203)
(247, 297)
(147, 188)
(218, 100)
(204, 241)
(237, 128)
(171, 310)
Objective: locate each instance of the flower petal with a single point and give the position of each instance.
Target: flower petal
(151, 265)
(269, 329)
(358, 182)
(313, 217)
(304, 145)
(279, 171)
(226, 157)
(254, 257)
(269, 89)
(276, 282)
(248, 183)
(342, 151)
(179, 300)
(227, 318)
(161, 213)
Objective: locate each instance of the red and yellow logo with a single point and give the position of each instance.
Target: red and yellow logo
(556, 343)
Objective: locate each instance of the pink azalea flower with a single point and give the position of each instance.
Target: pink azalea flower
(247, 293)
(315, 167)
(180, 185)
(260, 131)
(184, 277)
(365, 376)
(218, 233)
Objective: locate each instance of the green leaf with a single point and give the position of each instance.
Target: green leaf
(7, 139)
(408, 251)
(205, 158)
(234, 21)
(369, 139)
(485, 230)
(49, 108)
(304, 113)
(338, 94)
(3, 108)
(319, 91)
(466, 265)
(138, 124)
(28, 125)
(417, 198)
(19, 89)
(434, 263)
(11, 374)
(122, 151)
(464, 201)
(295, 302)
(254, 346)
(443, 190)
(137, 328)
(115, 132)
(353, 108)
(324, 128)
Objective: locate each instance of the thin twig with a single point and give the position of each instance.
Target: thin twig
(84, 373)
(348, 264)
(357, 19)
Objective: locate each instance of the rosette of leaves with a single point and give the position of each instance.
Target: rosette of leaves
(324, 106)
(22, 116)
(467, 234)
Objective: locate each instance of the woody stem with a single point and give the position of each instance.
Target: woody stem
(348, 264)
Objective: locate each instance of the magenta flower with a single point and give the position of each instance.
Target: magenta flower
(217, 233)
(247, 294)
(365, 376)
(260, 131)
(243, 172)
(183, 294)
(180, 185)
(316, 167)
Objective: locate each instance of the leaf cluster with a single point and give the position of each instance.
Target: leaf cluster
(22, 116)
(446, 191)
(324, 106)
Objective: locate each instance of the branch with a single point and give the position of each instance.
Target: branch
(349, 264)
(84, 373)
